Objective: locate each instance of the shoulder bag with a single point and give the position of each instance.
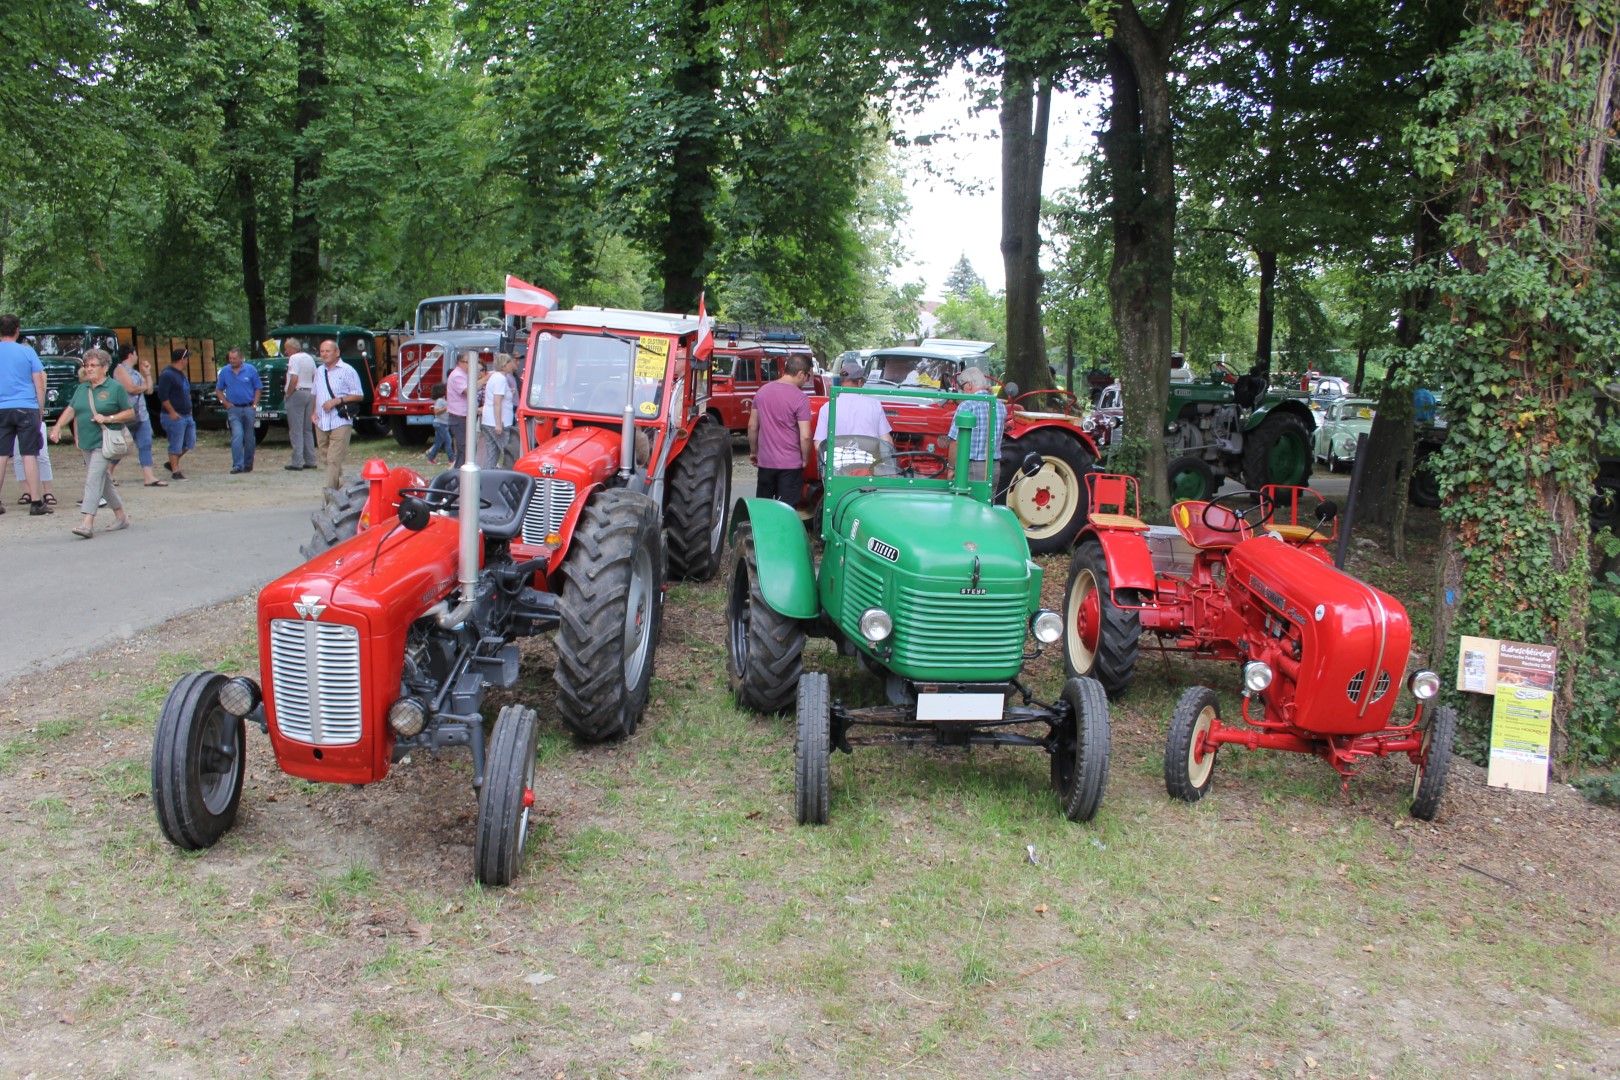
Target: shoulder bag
(115, 441)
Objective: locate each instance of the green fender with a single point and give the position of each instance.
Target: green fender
(787, 573)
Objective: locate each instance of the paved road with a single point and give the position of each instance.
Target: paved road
(52, 615)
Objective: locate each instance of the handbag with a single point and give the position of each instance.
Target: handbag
(115, 441)
(344, 410)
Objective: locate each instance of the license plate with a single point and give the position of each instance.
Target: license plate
(419, 420)
(937, 707)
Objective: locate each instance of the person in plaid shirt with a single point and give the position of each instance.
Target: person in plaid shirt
(984, 445)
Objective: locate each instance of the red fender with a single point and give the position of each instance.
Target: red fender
(1130, 563)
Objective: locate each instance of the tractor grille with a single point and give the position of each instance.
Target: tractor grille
(930, 628)
(863, 589)
(1357, 680)
(547, 508)
(64, 382)
(1381, 687)
(315, 680)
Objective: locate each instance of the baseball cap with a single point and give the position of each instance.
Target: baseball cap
(852, 369)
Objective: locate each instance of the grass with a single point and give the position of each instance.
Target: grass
(1277, 922)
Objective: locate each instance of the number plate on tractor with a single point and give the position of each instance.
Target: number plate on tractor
(937, 707)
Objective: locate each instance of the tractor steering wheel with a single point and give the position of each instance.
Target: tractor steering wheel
(441, 498)
(906, 461)
(1231, 519)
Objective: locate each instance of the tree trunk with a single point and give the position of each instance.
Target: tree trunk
(1361, 370)
(304, 262)
(685, 236)
(1026, 105)
(1142, 204)
(1266, 317)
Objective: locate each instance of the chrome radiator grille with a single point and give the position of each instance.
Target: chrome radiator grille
(315, 680)
(547, 508)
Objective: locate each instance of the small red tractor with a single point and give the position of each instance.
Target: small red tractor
(1246, 577)
(414, 594)
(1052, 503)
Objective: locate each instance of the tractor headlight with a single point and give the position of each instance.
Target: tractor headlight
(876, 624)
(239, 696)
(1423, 684)
(1256, 676)
(1047, 626)
(406, 716)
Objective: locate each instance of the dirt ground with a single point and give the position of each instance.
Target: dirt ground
(336, 932)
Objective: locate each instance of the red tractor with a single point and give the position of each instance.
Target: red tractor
(409, 608)
(1052, 503)
(1246, 577)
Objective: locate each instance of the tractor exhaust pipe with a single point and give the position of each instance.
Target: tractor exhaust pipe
(467, 506)
(627, 438)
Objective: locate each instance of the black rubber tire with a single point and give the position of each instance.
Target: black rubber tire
(611, 604)
(1118, 640)
(1194, 477)
(764, 649)
(507, 797)
(1604, 506)
(1067, 462)
(699, 504)
(371, 427)
(261, 431)
(1424, 487)
(199, 759)
(338, 519)
(1080, 758)
(1258, 444)
(409, 436)
(1183, 778)
(1429, 785)
(812, 750)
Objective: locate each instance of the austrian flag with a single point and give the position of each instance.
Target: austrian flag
(525, 299)
(705, 339)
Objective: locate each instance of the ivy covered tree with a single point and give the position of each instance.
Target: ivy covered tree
(1524, 113)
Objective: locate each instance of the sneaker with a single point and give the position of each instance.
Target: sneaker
(235, 470)
(293, 468)
(247, 468)
(179, 476)
(39, 509)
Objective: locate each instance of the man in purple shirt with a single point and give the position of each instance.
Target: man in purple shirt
(779, 433)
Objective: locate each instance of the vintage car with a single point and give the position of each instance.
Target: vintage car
(1342, 420)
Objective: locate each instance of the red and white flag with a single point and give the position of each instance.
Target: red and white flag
(525, 299)
(705, 338)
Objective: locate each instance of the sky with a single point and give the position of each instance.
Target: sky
(954, 184)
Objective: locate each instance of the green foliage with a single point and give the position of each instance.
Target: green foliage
(981, 315)
(1594, 723)
(963, 279)
(1603, 789)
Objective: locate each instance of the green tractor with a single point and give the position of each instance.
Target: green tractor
(930, 585)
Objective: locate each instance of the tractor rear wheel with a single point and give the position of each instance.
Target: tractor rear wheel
(1277, 452)
(1185, 778)
(1052, 503)
(198, 762)
(1429, 785)
(1080, 758)
(1100, 640)
(699, 500)
(505, 801)
(812, 750)
(764, 649)
(611, 604)
(338, 519)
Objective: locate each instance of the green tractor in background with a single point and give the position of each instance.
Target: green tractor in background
(931, 587)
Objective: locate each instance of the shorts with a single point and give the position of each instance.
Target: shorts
(21, 426)
(783, 485)
(182, 432)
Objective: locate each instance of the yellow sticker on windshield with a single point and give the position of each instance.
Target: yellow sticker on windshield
(649, 408)
(652, 357)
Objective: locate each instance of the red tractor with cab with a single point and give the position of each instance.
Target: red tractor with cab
(414, 594)
(1247, 577)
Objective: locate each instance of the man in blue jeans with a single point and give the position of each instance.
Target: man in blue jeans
(238, 388)
(174, 392)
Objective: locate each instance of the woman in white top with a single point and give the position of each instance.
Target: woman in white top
(498, 444)
(129, 373)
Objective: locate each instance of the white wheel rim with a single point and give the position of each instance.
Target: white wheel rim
(638, 616)
(1045, 502)
(717, 514)
(1084, 584)
(1198, 771)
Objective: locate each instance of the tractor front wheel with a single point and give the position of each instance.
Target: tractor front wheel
(812, 750)
(507, 797)
(1186, 769)
(764, 649)
(1191, 478)
(198, 762)
(1052, 503)
(699, 498)
(1100, 640)
(338, 519)
(1080, 756)
(1277, 452)
(1429, 785)
(611, 604)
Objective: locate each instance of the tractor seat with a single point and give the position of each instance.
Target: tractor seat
(1118, 521)
(507, 492)
(1189, 521)
(1298, 534)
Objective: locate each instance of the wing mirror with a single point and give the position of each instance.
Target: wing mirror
(414, 513)
(1033, 463)
(1326, 511)
(1009, 390)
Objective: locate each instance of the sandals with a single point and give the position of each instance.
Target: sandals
(157, 483)
(82, 533)
(117, 526)
(49, 499)
(23, 501)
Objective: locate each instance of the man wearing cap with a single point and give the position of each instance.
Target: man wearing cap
(857, 413)
(174, 391)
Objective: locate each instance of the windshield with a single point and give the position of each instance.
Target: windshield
(908, 371)
(69, 344)
(464, 314)
(587, 373)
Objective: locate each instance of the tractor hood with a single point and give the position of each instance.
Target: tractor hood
(385, 575)
(931, 534)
